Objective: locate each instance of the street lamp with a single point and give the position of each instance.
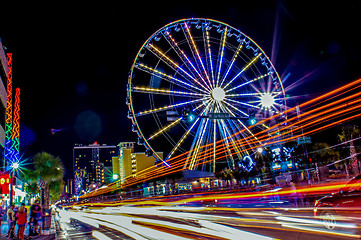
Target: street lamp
(259, 150)
(14, 167)
(115, 176)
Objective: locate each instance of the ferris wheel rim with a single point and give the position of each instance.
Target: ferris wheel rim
(159, 31)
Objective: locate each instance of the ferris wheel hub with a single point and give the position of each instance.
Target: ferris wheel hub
(267, 100)
(218, 94)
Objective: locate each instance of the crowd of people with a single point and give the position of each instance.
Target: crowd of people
(17, 215)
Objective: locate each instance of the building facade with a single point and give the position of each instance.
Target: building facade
(4, 70)
(92, 165)
(129, 163)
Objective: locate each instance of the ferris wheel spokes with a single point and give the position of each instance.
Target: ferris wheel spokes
(229, 154)
(243, 70)
(168, 78)
(175, 66)
(197, 142)
(220, 55)
(248, 82)
(165, 128)
(195, 52)
(193, 72)
(185, 135)
(166, 92)
(208, 53)
(168, 107)
(231, 63)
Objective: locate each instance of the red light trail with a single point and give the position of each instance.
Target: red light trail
(326, 111)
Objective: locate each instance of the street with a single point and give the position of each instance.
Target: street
(182, 222)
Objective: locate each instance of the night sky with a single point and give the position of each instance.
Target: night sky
(72, 61)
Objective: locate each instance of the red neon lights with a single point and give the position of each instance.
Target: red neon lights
(9, 90)
(16, 120)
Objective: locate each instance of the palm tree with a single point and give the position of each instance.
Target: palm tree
(226, 174)
(48, 171)
(32, 189)
(323, 154)
(348, 133)
(56, 189)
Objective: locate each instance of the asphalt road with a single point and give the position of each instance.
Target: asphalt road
(183, 222)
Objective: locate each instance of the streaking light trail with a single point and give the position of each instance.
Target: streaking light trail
(335, 107)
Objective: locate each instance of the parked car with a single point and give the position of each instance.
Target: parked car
(343, 206)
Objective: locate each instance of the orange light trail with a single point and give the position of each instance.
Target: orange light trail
(304, 124)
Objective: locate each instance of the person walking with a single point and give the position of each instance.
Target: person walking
(36, 217)
(2, 213)
(22, 219)
(39, 220)
(11, 220)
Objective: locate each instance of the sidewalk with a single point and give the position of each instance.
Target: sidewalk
(48, 234)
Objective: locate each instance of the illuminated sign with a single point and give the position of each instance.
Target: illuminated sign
(221, 115)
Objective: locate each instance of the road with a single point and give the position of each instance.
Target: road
(193, 222)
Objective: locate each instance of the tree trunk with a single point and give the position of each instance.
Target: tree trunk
(46, 197)
(354, 160)
(347, 172)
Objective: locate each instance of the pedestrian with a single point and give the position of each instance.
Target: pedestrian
(26, 210)
(22, 220)
(11, 220)
(39, 220)
(2, 213)
(34, 210)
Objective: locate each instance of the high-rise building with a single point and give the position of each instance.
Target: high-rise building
(129, 163)
(4, 70)
(92, 165)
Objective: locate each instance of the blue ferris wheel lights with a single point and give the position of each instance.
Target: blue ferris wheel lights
(252, 121)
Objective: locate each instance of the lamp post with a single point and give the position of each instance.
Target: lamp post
(14, 166)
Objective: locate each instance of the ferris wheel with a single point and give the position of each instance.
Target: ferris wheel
(196, 88)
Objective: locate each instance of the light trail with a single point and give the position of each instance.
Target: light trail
(326, 118)
(177, 222)
(158, 172)
(308, 119)
(160, 223)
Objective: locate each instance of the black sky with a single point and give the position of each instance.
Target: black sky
(72, 61)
